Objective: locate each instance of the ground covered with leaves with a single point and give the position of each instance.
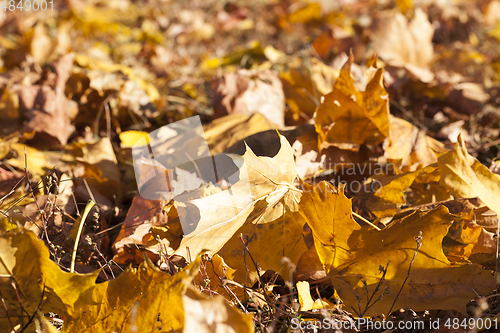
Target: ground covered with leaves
(310, 166)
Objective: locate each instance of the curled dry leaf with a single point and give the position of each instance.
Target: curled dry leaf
(141, 216)
(401, 42)
(466, 177)
(485, 248)
(300, 94)
(48, 109)
(248, 92)
(213, 276)
(348, 118)
(355, 255)
(408, 147)
(309, 267)
(467, 238)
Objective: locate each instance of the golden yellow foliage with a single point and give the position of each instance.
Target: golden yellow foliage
(348, 118)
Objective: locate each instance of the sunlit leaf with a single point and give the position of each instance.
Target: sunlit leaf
(348, 118)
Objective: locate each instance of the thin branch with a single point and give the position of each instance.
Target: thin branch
(419, 244)
(258, 274)
(496, 253)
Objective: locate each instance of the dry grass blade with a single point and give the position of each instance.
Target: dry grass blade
(86, 212)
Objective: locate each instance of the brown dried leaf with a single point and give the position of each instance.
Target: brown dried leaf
(401, 42)
(248, 92)
(48, 109)
(348, 118)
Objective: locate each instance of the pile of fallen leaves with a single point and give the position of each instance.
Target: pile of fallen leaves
(355, 145)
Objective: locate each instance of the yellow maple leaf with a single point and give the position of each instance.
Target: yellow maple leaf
(329, 214)
(466, 177)
(348, 118)
(433, 283)
(39, 282)
(142, 298)
(262, 179)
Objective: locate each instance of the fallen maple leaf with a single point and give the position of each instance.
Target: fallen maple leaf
(283, 231)
(405, 44)
(348, 118)
(264, 194)
(408, 147)
(466, 177)
(249, 92)
(48, 109)
(329, 214)
(142, 297)
(30, 281)
(433, 282)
